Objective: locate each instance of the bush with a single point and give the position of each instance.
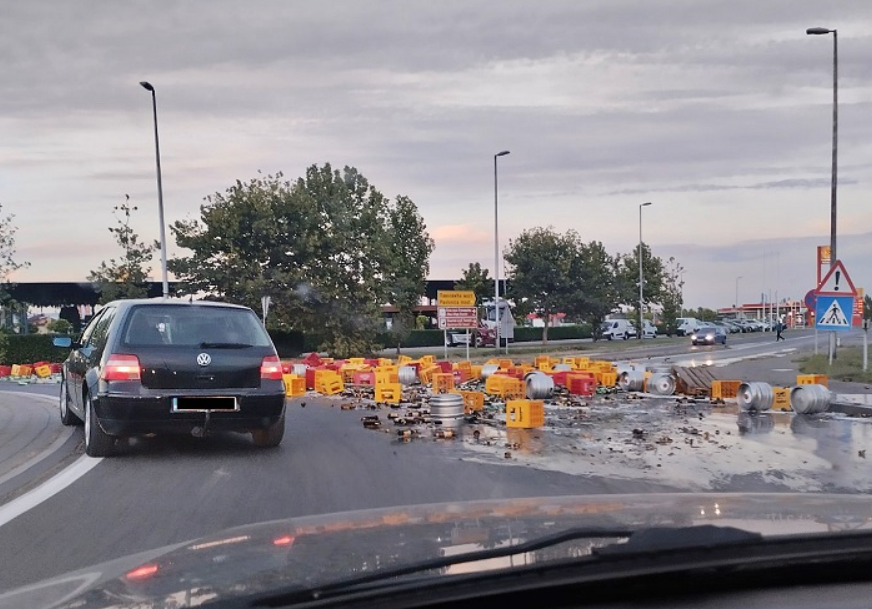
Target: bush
(29, 348)
(528, 334)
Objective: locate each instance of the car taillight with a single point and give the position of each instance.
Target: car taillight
(143, 572)
(121, 368)
(271, 368)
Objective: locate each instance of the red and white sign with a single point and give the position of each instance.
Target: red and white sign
(837, 282)
(453, 318)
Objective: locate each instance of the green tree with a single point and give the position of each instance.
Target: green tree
(671, 295)
(592, 293)
(125, 277)
(541, 271)
(867, 307)
(60, 326)
(627, 277)
(476, 279)
(409, 265)
(322, 247)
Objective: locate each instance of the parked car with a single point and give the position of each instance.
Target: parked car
(709, 335)
(617, 328)
(172, 366)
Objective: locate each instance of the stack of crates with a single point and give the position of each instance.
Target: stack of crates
(525, 414)
(295, 385)
(542, 362)
(403, 360)
(724, 390)
(363, 377)
(812, 379)
(328, 382)
(505, 363)
(581, 383)
(475, 371)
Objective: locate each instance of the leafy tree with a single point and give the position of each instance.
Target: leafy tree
(594, 293)
(627, 277)
(476, 279)
(671, 294)
(541, 271)
(60, 326)
(701, 313)
(410, 249)
(322, 247)
(867, 307)
(125, 277)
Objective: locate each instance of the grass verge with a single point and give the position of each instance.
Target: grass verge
(848, 365)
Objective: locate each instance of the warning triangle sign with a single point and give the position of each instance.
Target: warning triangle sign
(837, 282)
(834, 316)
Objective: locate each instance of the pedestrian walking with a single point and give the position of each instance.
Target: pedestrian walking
(779, 328)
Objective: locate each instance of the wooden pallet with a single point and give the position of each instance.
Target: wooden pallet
(696, 382)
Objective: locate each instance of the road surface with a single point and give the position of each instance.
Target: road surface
(162, 491)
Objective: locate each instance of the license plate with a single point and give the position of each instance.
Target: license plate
(202, 404)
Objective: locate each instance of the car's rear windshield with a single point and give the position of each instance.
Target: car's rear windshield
(193, 326)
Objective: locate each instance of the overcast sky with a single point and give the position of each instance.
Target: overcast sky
(717, 112)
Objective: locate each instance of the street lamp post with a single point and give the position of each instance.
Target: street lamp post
(497, 253)
(817, 31)
(160, 206)
(641, 275)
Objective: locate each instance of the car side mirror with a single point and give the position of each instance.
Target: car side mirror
(64, 342)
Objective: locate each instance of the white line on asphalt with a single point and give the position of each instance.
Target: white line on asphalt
(65, 434)
(47, 489)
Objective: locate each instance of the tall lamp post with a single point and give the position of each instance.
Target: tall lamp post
(641, 275)
(497, 252)
(817, 31)
(160, 206)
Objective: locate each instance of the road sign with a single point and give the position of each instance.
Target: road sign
(810, 299)
(834, 312)
(859, 305)
(837, 282)
(453, 318)
(455, 298)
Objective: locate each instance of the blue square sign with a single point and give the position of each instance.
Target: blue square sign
(834, 312)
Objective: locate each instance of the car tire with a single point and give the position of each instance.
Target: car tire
(479, 342)
(271, 436)
(97, 442)
(609, 337)
(626, 336)
(67, 416)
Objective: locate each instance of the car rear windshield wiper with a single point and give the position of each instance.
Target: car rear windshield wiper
(225, 345)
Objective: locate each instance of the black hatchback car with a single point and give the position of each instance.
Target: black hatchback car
(172, 366)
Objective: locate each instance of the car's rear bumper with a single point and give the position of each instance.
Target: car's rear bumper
(128, 415)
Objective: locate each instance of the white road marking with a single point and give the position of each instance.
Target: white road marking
(65, 434)
(47, 489)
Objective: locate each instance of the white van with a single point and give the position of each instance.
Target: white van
(649, 330)
(685, 326)
(617, 328)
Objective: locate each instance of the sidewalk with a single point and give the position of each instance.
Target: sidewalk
(30, 431)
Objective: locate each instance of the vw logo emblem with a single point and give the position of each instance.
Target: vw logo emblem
(204, 359)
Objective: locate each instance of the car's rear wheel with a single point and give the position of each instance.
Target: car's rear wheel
(626, 336)
(479, 341)
(67, 416)
(271, 436)
(97, 442)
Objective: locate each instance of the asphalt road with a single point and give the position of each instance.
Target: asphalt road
(162, 491)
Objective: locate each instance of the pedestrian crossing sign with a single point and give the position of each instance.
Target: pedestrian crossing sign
(834, 312)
